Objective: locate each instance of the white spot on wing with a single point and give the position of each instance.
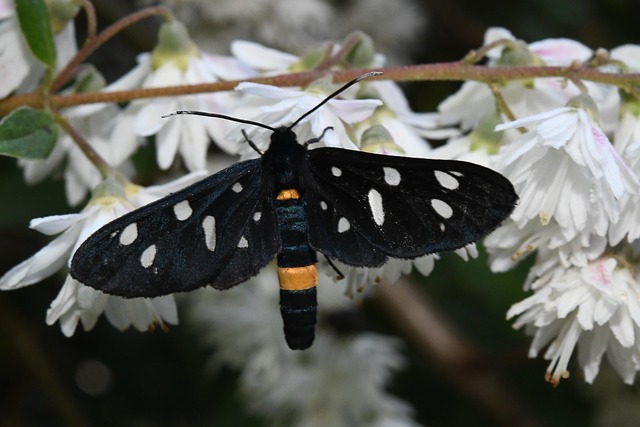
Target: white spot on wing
(375, 203)
(445, 180)
(237, 187)
(182, 210)
(456, 173)
(129, 234)
(335, 171)
(391, 176)
(257, 216)
(323, 205)
(343, 225)
(442, 208)
(442, 228)
(243, 243)
(209, 227)
(147, 257)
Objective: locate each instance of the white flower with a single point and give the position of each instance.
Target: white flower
(475, 100)
(181, 64)
(596, 307)
(627, 142)
(407, 128)
(281, 107)
(339, 381)
(567, 170)
(76, 302)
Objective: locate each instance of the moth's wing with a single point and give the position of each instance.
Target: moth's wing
(363, 206)
(187, 240)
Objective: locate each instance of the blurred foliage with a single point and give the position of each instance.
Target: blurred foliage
(159, 379)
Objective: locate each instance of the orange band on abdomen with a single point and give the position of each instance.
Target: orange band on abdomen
(291, 193)
(298, 278)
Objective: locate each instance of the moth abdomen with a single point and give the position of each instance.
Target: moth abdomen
(298, 309)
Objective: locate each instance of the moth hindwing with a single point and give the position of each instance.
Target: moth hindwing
(354, 207)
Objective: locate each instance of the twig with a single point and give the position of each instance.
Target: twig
(459, 361)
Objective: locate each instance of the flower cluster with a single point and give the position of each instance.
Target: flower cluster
(578, 208)
(572, 151)
(114, 132)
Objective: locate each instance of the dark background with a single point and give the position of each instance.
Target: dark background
(158, 379)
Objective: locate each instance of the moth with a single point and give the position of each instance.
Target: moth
(292, 204)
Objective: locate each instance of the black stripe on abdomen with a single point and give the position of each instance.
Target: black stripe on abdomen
(298, 309)
(296, 272)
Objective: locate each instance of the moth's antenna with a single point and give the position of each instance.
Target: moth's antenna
(220, 116)
(272, 129)
(334, 94)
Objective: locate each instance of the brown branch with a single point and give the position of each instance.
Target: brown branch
(458, 360)
(449, 71)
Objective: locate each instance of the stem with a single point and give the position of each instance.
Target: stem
(26, 344)
(448, 71)
(93, 156)
(457, 359)
(92, 21)
(478, 55)
(93, 43)
(502, 103)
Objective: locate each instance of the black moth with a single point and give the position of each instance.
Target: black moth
(351, 206)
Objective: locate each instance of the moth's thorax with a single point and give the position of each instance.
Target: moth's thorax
(284, 158)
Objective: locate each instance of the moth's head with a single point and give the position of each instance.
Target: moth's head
(282, 134)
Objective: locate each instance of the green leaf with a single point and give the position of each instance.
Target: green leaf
(36, 27)
(28, 133)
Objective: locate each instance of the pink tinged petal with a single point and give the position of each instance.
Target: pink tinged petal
(167, 142)
(560, 51)
(7, 9)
